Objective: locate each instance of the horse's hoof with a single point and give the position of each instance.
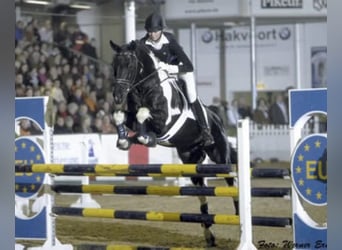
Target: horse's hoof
(211, 242)
(123, 144)
(209, 237)
(152, 142)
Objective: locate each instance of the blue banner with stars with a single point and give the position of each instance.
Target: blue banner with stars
(29, 224)
(308, 168)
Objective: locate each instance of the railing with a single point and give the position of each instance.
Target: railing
(272, 142)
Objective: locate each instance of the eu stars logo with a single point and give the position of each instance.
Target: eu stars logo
(309, 169)
(27, 151)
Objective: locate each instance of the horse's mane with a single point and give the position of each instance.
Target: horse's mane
(146, 55)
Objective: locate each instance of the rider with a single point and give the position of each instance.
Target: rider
(174, 60)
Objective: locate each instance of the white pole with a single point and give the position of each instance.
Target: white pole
(130, 20)
(298, 56)
(253, 56)
(244, 177)
(193, 46)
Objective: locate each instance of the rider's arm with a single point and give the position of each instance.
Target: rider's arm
(184, 63)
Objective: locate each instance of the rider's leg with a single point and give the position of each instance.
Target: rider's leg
(197, 108)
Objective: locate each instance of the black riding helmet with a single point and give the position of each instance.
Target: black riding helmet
(154, 22)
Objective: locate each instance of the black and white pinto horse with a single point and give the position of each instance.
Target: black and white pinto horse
(153, 106)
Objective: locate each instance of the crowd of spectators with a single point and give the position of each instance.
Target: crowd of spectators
(266, 112)
(271, 109)
(47, 64)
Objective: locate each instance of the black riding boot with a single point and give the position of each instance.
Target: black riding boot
(202, 122)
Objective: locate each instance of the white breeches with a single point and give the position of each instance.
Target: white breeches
(190, 85)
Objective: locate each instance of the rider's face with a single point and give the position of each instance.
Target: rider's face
(155, 35)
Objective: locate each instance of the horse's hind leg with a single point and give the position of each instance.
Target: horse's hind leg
(230, 182)
(224, 153)
(209, 236)
(198, 156)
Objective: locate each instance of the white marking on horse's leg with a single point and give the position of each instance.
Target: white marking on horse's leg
(143, 139)
(143, 114)
(123, 143)
(119, 117)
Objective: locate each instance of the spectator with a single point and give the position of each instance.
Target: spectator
(34, 81)
(99, 88)
(46, 33)
(31, 35)
(91, 101)
(107, 126)
(42, 75)
(278, 110)
(69, 123)
(62, 109)
(53, 73)
(24, 69)
(29, 92)
(86, 124)
(19, 32)
(56, 92)
(60, 127)
(19, 90)
(261, 113)
(68, 88)
(97, 126)
(78, 38)
(233, 114)
(36, 91)
(244, 109)
(73, 113)
(77, 96)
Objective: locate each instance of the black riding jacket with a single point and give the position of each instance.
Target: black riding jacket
(167, 50)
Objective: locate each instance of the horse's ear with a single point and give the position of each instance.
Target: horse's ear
(114, 46)
(133, 45)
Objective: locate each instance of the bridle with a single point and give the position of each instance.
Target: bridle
(127, 83)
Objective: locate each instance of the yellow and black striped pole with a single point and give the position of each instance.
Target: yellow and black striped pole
(126, 169)
(148, 190)
(148, 216)
(224, 219)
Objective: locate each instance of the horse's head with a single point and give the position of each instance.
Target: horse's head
(131, 66)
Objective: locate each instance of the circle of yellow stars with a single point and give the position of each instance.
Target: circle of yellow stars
(27, 184)
(308, 176)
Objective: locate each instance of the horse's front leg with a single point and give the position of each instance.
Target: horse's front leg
(147, 138)
(123, 142)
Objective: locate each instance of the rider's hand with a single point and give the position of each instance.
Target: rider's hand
(170, 69)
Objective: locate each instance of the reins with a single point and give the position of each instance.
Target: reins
(126, 82)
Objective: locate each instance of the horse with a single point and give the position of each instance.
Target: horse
(153, 105)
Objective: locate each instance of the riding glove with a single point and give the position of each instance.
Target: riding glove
(171, 69)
